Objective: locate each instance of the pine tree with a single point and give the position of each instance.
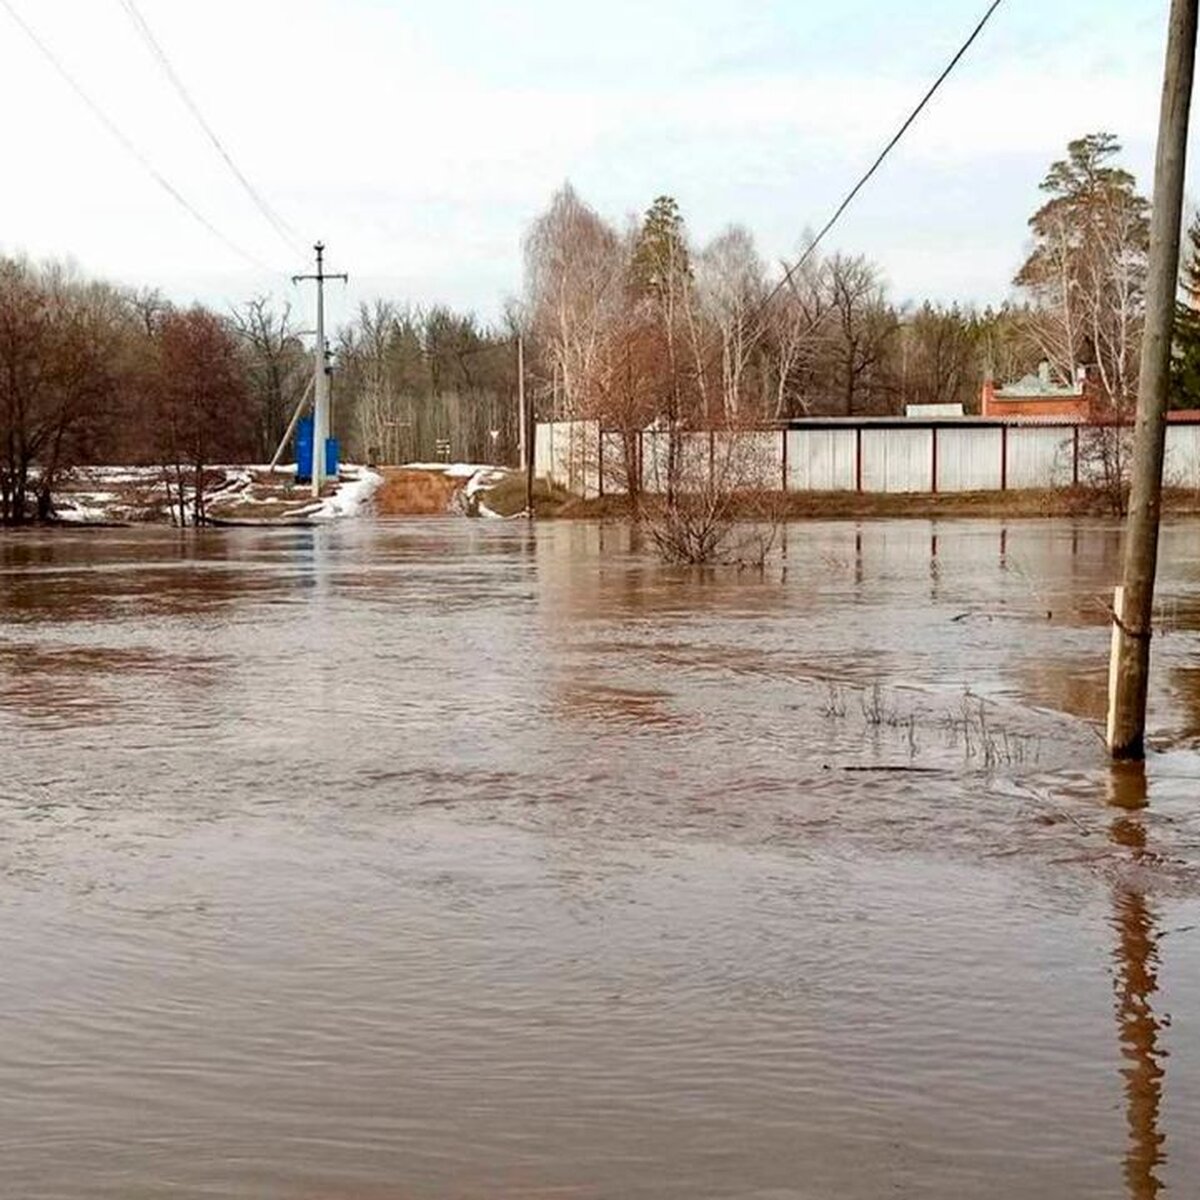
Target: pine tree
(1185, 358)
(1087, 270)
(660, 256)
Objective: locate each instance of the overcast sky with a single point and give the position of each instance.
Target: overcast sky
(419, 139)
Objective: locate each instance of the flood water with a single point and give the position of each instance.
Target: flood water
(447, 858)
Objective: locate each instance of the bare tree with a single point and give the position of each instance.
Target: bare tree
(201, 406)
(864, 326)
(278, 367)
(379, 410)
(722, 510)
(55, 381)
(575, 274)
(799, 331)
(730, 287)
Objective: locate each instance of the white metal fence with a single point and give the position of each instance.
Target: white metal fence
(847, 456)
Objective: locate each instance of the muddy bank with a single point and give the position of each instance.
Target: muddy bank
(469, 489)
(233, 495)
(1064, 502)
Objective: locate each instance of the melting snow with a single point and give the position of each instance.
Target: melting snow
(352, 496)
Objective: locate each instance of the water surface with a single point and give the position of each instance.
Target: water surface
(454, 859)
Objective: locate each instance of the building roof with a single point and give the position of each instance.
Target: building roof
(920, 411)
(1037, 387)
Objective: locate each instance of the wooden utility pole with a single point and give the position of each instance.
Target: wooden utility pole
(320, 371)
(1133, 604)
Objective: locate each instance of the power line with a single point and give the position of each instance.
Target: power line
(121, 137)
(276, 222)
(858, 187)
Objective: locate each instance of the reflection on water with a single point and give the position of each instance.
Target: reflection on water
(1136, 960)
(467, 859)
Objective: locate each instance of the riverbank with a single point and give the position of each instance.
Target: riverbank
(255, 495)
(469, 489)
(800, 506)
(233, 495)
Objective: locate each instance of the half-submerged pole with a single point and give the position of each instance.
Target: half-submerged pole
(1133, 604)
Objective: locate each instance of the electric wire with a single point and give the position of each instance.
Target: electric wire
(811, 248)
(276, 222)
(127, 143)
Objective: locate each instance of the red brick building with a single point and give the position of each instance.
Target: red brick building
(1038, 396)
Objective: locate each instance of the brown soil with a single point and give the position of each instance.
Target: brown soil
(508, 496)
(274, 498)
(409, 492)
(1070, 502)
(136, 501)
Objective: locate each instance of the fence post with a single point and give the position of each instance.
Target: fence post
(1075, 460)
(1004, 458)
(600, 459)
(933, 472)
(858, 466)
(783, 458)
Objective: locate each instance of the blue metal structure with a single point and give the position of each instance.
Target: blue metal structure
(304, 449)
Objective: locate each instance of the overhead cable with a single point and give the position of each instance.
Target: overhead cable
(128, 144)
(811, 248)
(276, 222)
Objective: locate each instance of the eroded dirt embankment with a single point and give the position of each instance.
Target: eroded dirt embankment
(414, 491)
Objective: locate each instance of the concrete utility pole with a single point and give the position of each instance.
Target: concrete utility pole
(320, 371)
(1133, 605)
(522, 432)
(528, 429)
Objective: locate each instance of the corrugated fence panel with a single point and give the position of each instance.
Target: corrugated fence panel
(654, 461)
(565, 465)
(1182, 468)
(821, 460)
(614, 466)
(897, 460)
(542, 465)
(750, 459)
(968, 460)
(1040, 456)
(567, 452)
(693, 465)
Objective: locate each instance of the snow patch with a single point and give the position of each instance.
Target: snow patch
(483, 478)
(354, 493)
(456, 470)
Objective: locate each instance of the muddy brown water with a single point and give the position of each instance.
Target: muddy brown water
(452, 859)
